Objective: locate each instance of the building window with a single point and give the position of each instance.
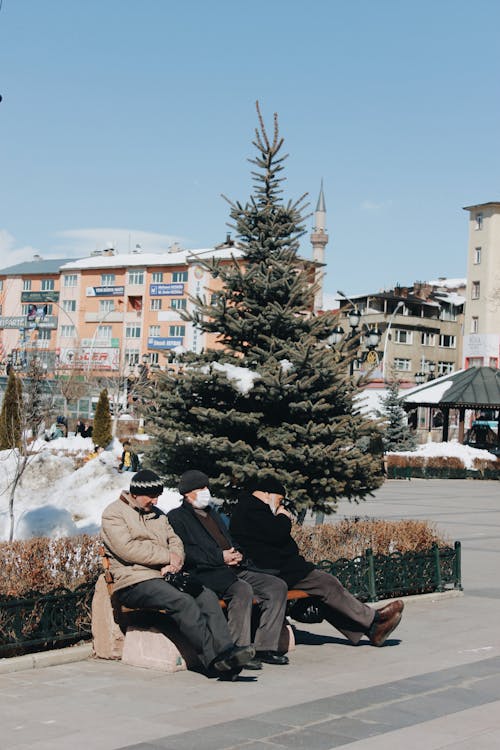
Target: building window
(154, 358)
(477, 256)
(131, 357)
(428, 339)
(68, 332)
(178, 276)
(402, 364)
(474, 325)
(44, 334)
(475, 361)
(155, 304)
(479, 221)
(403, 337)
(154, 331)
(27, 285)
(475, 290)
(136, 277)
(70, 279)
(178, 304)
(448, 342)
(69, 305)
(47, 285)
(108, 279)
(133, 332)
(1, 285)
(157, 277)
(106, 305)
(445, 368)
(104, 333)
(177, 330)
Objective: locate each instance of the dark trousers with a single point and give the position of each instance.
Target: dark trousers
(270, 593)
(342, 609)
(200, 620)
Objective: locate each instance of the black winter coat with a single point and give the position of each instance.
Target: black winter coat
(204, 557)
(267, 540)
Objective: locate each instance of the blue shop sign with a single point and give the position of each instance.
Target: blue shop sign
(166, 290)
(162, 342)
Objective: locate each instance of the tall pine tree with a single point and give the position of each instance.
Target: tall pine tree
(296, 420)
(397, 435)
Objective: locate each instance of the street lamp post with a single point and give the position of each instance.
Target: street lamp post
(400, 304)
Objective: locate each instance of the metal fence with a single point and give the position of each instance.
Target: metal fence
(40, 622)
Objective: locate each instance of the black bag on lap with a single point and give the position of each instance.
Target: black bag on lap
(185, 583)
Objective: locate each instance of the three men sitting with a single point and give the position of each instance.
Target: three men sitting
(143, 548)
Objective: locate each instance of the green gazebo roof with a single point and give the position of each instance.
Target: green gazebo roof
(475, 388)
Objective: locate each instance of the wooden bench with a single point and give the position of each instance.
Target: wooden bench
(148, 637)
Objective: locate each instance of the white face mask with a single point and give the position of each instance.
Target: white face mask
(202, 498)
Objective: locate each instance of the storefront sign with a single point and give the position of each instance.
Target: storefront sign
(39, 296)
(90, 359)
(105, 291)
(160, 342)
(166, 290)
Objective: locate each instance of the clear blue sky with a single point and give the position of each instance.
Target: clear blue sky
(124, 121)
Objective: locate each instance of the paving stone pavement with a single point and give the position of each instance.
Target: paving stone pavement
(435, 685)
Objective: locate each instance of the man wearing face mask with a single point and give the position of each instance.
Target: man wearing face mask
(261, 526)
(213, 559)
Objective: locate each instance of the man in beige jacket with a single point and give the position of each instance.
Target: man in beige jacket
(143, 548)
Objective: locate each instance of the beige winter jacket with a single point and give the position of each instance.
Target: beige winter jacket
(139, 543)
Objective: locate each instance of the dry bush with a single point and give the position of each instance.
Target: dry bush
(350, 538)
(396, 461)
(445, 462)
(483, 464)
(43, 565)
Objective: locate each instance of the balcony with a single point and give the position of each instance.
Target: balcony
(109, 317)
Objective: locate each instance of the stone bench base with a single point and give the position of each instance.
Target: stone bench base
(157, 644)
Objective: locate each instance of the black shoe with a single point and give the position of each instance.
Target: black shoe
(235, 657)
(253, 664)
(272, 657)
(230, 675)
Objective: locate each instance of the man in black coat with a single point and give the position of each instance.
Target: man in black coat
(261, 527)
(213, 559)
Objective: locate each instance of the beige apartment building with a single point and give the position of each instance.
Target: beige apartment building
(420, 329)
(482, 315)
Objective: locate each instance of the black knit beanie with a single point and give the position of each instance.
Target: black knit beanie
(146, 482)
(267, 484)
(192, 480)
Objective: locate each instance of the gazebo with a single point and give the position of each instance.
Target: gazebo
(475, 389)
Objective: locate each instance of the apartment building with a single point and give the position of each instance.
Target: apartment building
(482, 316)
(29, 311)
(420, 327)
(104, 313)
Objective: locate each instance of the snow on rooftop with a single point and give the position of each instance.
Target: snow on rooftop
(430, 394)
(448, 283)
(451, 297)
(181, 258)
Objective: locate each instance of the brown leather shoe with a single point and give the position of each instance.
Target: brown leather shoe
(389, 618)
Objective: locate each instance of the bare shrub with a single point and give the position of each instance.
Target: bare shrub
(350, 538)
(43, 565)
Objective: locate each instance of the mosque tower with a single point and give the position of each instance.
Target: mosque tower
(319, 240)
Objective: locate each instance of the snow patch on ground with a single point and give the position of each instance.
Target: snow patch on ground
(464, 452)
(54, 498)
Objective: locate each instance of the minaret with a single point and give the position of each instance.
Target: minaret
(319, 240)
